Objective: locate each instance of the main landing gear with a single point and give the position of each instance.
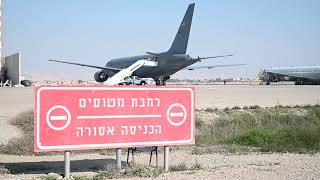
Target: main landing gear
(161, 81)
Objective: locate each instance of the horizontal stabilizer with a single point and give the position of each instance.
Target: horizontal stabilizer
(210, 67)
(212, 57)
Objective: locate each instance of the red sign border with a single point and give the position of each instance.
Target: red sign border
(111, 145)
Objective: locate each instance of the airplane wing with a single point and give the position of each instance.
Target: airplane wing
(86, 65)
(210, 67)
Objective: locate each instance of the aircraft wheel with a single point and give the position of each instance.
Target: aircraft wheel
(158, 83)
(268, 83)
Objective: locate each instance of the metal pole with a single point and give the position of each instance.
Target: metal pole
(157, 156)
(118, 158)
(67, 164)
(166, 158)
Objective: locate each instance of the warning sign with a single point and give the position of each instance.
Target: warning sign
(97, 117)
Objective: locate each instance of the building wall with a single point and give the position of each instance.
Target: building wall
(1, 41)
(1, 29)
(12, 69)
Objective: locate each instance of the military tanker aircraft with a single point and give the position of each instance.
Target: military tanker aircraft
(301, 75)
(168, 63)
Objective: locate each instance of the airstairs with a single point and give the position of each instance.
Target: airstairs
(256, 80)
(117, 78)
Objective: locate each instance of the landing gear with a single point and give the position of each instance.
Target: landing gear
(300, 82)
(268, 83)
(161, 81)
(158, 82)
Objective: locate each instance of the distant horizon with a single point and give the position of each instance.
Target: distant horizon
(178, 79)
(64, 77)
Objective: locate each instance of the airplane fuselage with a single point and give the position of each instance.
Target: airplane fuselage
(298, 74)
(166, 67)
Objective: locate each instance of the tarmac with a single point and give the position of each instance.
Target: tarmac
(221, 96)
(16, 100)
(12, 102)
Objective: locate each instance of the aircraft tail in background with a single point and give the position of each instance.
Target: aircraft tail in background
(180, 42)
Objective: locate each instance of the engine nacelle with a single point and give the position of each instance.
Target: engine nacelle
(166, 78)
(100, 76)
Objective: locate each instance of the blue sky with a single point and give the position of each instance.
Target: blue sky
(264, 33)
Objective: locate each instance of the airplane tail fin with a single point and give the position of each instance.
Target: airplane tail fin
(180, 42)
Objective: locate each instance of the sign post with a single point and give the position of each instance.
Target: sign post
(67, 164)
(166, 158)
(118, 158)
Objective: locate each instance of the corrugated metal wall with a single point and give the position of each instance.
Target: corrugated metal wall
(12, 65)
(1, 40)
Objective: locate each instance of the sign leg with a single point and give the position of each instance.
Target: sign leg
(67, 164)
(157, 156)
(166, 158)
(118, 158)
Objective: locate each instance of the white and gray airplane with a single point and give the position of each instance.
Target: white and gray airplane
(168, 63)
(302, 75)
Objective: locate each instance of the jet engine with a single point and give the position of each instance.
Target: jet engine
(100, 76)
(271, 78)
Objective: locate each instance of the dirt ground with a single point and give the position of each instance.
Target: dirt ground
(214, 166)
(12, 102)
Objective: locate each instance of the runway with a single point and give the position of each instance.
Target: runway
(16, 100)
